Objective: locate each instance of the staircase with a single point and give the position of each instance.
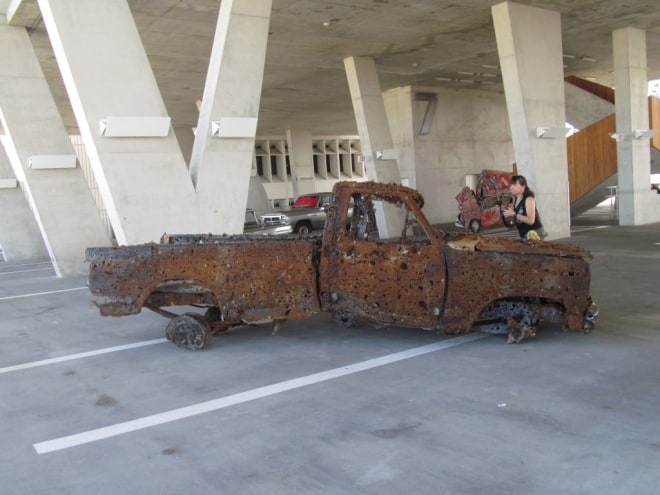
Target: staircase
(592, 161)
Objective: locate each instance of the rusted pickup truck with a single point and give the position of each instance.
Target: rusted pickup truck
(387, 265)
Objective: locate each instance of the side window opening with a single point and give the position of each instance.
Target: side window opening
(400, 223)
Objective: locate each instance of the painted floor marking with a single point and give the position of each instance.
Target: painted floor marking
(242, 397)
(40, 293)
(80, 355)
(13, 265)
(577, 230)
(25, 271)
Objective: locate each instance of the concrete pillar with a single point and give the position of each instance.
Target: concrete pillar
(143, 180)
(530, 53)
(301, 158)
(59, 197)
(375, 136)
(400, 105)
(222, 153)
(19, 234)
(638, 204)
(371, 118)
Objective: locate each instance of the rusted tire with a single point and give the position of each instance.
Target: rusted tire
(206, 324)
(189, 331)
(590, 318)
(344, 319)
(303, 228)
(475, 225)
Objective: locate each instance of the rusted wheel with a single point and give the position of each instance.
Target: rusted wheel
(590, 318)
(206, 324)
(189, 331)
(344, 319)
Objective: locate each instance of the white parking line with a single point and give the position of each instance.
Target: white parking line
(241, 397)
(13, 265)
(40, 293)
(80, 355)
(585, 229)
(25, 271)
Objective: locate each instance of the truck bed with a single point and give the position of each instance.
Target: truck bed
(248, 279)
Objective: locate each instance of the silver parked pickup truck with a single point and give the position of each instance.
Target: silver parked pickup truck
(306, 214)
(253, 225)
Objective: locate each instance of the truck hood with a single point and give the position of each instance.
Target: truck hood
(473, 242)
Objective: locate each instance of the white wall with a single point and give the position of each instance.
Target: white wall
(470, 133)
(583, 108)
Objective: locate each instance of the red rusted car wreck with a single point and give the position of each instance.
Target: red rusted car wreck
(384, 263)
(481, 208)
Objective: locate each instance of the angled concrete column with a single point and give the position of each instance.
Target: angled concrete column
(19, 233)
(144, 181)
(371, 118)
(59, 197)
(375, 136)
(301, 158)
(638, 204)
(530, 53)
(222, 153)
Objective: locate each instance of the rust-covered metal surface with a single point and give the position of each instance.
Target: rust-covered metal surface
(445, 281)
(246, 278)
(383, 263)
(487, 269)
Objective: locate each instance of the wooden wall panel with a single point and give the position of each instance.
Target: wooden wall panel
(654, 120)
(604, 92)
(591, 157)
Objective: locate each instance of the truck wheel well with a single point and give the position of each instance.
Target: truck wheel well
(182, 291)
(537, 308)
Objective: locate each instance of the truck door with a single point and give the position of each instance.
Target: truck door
(386, 268)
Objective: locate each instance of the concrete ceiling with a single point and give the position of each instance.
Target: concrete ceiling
(435, 43)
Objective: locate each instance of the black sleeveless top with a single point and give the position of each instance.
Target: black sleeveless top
(523, 228)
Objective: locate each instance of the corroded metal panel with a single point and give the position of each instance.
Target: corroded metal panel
(397, 280)
(415, 275)
(248, 278)
(486, 269)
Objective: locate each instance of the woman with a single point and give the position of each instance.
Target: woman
(523, 210)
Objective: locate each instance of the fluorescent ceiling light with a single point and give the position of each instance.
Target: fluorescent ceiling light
(8, 183)
(134, 126)
(645, 134)
(234, 127)
(551, 132)
(52, 161)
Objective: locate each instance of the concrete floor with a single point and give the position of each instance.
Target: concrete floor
(563, 413)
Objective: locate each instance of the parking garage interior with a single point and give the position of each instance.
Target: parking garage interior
(425, 94)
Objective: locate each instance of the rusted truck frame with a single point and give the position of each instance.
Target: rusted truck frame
(415, 276)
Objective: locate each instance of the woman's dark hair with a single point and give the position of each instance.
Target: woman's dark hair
(521, 180)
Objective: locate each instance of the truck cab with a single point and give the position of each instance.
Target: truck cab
(385, 263)
(390, 265)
